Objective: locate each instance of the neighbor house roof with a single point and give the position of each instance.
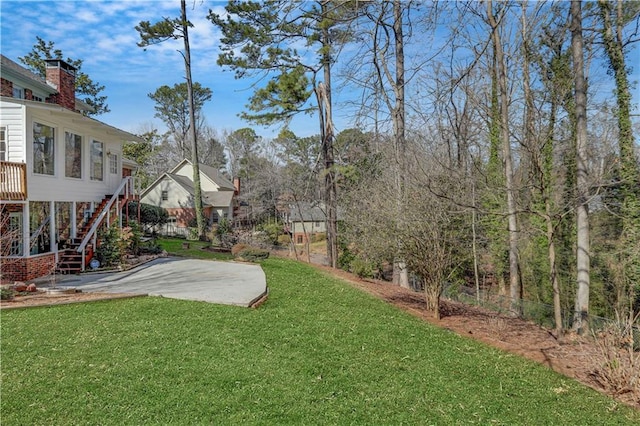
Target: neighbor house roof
(209, 198)
(216, 177)
(307, 212)
(218, 198)
(210, 172)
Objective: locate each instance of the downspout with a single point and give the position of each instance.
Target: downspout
(53, 243)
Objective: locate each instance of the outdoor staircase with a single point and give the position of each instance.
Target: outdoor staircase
(69, 259)
(76, 256)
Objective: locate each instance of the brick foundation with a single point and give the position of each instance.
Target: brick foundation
(26, 268)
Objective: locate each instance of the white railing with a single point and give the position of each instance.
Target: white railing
(13, 181)
(126, 188)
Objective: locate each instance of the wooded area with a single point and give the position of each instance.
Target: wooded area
(491, 150)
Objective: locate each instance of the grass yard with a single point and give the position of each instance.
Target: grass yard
(317, 352)
(174, 247)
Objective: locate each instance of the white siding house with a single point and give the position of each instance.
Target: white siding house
(57, 168)
(174, 192)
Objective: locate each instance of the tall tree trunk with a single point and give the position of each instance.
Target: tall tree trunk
(197, 188)
(629, 171)
(400, 272)
(514, 274)
(546, 180)
(330, 187)
(581, 314)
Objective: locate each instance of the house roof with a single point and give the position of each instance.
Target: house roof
(27, 76)
(218, 198)
(209, 198)
(305, 211)
(56, 109)
(210, 172)
(11, 67)
(216, 177)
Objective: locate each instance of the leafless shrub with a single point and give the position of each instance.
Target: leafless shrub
(616, 363)
(498, 326)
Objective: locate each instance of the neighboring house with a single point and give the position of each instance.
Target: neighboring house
(62, 175)
(174, 192)
(304, 220)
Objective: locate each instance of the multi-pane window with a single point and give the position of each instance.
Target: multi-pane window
(113, 164)
(3, 144)
(97, 161)
(14, 231)
(73, 155)
(43, 149)
(18, 92)
(165, 195)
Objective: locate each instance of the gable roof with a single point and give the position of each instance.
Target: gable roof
(57, 110)
(305, 211)
(10, 67)
(209, 198)
(216, 177)
(211, 173)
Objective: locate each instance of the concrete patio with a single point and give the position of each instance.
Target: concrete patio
(228, 283)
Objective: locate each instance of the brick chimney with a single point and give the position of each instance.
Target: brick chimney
(236, 185)
(62, 76)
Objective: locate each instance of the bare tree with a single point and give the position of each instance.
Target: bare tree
(583, 255)
(514, 274)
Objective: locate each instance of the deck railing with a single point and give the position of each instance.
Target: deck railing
(13, 181)
(126, 190)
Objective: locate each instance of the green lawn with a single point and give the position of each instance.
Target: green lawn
(317, 352)
(174, 247)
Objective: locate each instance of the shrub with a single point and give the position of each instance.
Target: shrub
(362, 268)
(6, 293)
(115, 243)
(284, 240)
(617, 363)
(272, 231)
(236, 249)
(316, 238)
(108, 252)
(252, 254)
(192, 234)
(149, 215)
(150, 247)
(346, 258)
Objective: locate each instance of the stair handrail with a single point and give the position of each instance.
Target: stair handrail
(103, 213)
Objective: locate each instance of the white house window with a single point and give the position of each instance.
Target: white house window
(43, 149)
(73, 155)
(3, 144)
(165, 195)
(113, 164)
(97, 161)
(15, 233)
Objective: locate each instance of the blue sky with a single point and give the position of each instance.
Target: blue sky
(102, 34)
